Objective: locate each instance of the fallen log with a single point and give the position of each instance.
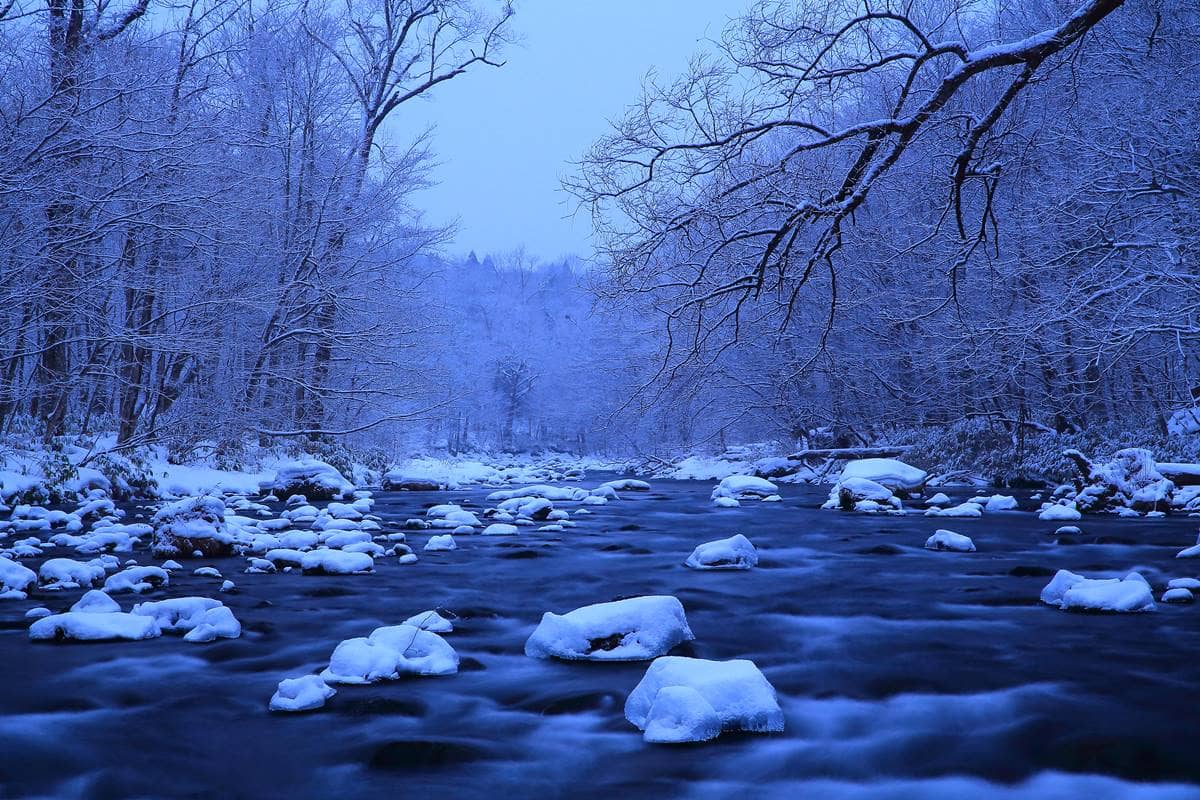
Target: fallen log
(851, 453)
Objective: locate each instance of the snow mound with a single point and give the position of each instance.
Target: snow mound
(1060, 513)
(301, 694)
(962, 510)
(543, 491)
(137, 580)
(389, 652)
(949, 540)
(725, 502)
(15, 579)
(736, 691)
(500, 529)
(95, 601)
(625, 485)
(87, 626)
(634, 629)
(895, 475)
(740, 486)
(1069, 591)
(190, 525)
(334, 562)
(314, 479)
(443, 542)
(430, 621)
(1178, 595)
(736, 552)
(66, 573)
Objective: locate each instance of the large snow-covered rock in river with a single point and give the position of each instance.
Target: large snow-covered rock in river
(949, 540)
(91, 626)
(15, 580)
(194, 524)
(314, 479)
(1069, 591)
(889, 472)
(739, 486)
(388, 653)
(722, 696)
(736, 552)
(862, 494)
(634, 629)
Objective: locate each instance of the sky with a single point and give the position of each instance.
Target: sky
(504, 137)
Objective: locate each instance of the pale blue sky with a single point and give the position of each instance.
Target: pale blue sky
(505, 137)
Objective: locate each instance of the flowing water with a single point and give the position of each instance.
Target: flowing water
(901, 672)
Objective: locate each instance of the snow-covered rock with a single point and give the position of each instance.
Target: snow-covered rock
(399, 481)
(16, 580)
(742, 486)
(136, 580)
(66, 573)
(1179, 595)
(553, 493)
(430, 621)
(87, 626)
(334, 562)
(215, 623)
(949, 540)
(736, 692)
(95, 601)
(389, 652)
(1069, 591)
(725, 502)
(736, 552)
(443, 542)
(633, 629)
(1060, 513)
(500, 529)
(194, 524)
(626, 485)
(314, 479)
(939, 499)
(301, 694)
(895, 475)
(961, 511)
(862, 494)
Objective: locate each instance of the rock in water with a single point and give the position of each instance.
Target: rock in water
(624, 630)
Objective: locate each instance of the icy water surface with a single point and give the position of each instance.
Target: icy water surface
(902, 673)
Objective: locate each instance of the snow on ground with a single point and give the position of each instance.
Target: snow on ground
(633, 629)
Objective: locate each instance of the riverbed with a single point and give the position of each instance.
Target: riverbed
(901, 672)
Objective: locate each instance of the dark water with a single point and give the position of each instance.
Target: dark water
(902, 673)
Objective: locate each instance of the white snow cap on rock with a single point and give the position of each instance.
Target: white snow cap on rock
(301, 694)
(314, 479)
(1069, 591)
(430, 621)
(735, 694)
(626, 485)
(500, 529)
(334, 562)
(88, 626)
(633, 629)
(15, 580)
(389, 652)
(1060, 513)
(738, 486)
(894, 474)
(443, 542)
(949, 540)
(736, 552)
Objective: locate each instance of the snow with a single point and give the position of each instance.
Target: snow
(443, 542)
(1184, 422)
(740, 486)
(1190, 584)
(949, 540)
(938, 499)
(633, 629)
(314, 479)
(681, 714)
(543, 491)
(499, 529)
(215, 623)
(430, 621)
(736, 552)
(301, 694)
(65, 573)
(389, 652)
(725, 502)
(334, 562)
(1179, 595)
(1000, 502)
(894, 474)
(194, 523)
(1069, 591)
(136, 580)
(15, 579)
(95, 601)
(626, 485)
(92, 627)
(738, 693)
(1060, 513)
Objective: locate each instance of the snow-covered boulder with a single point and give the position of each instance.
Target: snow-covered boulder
(736, 552)
(949, 540)
(443, 542)
(88, 626)
(553, 493)
(16, 580)
(136, 580)
(633, 629)
(626, 485)
(430, 621)
(901, 478)
(96, 602)
(389, 652)
(725, 502)
(1178, 595)
(66, 573)
(1069, 591)
(398, 481)
(724, 696)
(194, 524)
(301, 694)
(334, 562)
(500, 529)
(939, 499)
(962, 510)
(862, 494)
(1000, 502)
(314, 479)
(1060, 512)
(742, 486)
(215, 623)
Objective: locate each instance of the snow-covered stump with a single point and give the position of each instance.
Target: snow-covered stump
(736, 552)
(189, 526)
(695, 700)
(634, 629)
